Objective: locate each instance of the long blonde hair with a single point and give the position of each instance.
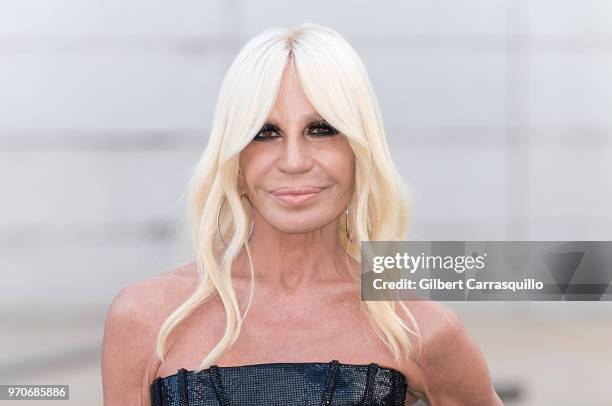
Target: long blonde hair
(335, 81)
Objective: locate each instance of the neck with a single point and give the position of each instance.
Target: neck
(290, 263)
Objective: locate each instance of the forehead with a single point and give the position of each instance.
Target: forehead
(291, 102)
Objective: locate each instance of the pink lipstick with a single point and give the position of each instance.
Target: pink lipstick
(296, 195)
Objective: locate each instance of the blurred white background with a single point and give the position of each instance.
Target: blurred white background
(498, 113)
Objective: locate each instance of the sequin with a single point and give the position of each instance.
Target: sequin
(281, 384)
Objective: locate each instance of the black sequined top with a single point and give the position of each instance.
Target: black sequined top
(282, 384)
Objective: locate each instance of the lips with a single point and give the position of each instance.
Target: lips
(296, 190)
(296, 195)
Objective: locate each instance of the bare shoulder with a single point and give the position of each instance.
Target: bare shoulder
(130, 331)
(453, 367)
(142, 303)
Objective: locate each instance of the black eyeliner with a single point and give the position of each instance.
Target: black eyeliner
(266, 127)
(318, 124)
(322, 124)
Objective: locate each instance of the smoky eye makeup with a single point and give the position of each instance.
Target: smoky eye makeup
(321, 128)
(316, 129)
(267, 129)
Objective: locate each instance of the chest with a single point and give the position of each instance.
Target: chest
(273, 331)
(308, 333)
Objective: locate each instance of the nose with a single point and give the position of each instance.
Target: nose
(296, 155)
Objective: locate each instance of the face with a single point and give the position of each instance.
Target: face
(298, 171)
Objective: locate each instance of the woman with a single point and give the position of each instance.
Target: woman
(296, 173)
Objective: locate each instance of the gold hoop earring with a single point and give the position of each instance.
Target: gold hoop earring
(219, 225)
(348, 235)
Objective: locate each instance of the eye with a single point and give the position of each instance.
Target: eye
(266, 133)
(321, 129)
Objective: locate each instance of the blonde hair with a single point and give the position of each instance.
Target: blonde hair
(335, 81)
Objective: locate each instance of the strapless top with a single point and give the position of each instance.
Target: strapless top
(282, 384)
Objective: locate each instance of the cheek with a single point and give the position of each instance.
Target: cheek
(340, 171)
(255, 166)
(340, 165)
(252, 178)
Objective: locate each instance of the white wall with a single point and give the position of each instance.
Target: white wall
(497, 112)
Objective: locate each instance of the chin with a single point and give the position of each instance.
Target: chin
(298, 226)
